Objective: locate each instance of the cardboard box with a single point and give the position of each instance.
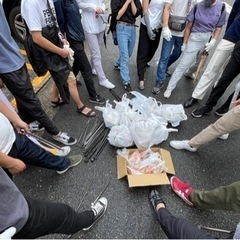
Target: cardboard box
(146, 179)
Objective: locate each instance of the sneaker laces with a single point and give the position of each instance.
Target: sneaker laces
(185, 188)
(64, 136)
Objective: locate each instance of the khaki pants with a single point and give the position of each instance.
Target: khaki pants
(226, 124)
(224, 198)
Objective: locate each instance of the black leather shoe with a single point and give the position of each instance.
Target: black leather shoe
(155, 199)
(191, 101)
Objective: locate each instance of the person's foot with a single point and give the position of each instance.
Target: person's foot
(116, 66)
(127, 87)
(64, 138)
(35, 127)
(62, 152)
(224, 136)
(197, 113)
(157, 87)
(98, 99)
(167, 93)
(168, 73)
(155, 199)
(107, 84)
(189, 75)
(98, 209)
(191, 101)
(74, 161)
(184, 144)
(141, 85)
(87, 112)
(221, 111)
(182, 189)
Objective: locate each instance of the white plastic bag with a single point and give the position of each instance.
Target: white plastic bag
(173, 113)
(120, 136)
(111, 116)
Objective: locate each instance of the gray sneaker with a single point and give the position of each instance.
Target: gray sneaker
(65, 139)
(74, 161)
(98, 209)
(35, 127)
(157, 87)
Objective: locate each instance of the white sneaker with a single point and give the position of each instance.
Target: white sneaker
(167, 93)
(65, 139)
(94, 72)
(35, 127)
(107, 84)
(64, 151)
(189, 75)
(182, 145)
(224, 136)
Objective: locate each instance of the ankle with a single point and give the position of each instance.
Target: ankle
(160, 205)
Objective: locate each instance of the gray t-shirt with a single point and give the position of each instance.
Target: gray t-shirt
(13, 206)
(10, 57)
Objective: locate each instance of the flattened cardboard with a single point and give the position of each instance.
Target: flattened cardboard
(146, 179)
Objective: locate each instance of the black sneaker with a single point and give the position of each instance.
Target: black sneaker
(127, 87)
(35, 127)
(64, 138)
(155, 199)
(98, 209)
(98, 99)
(197, 113)
(221, 111)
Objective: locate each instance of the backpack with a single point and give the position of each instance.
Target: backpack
(112, 21)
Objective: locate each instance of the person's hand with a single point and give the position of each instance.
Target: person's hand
(183, 47)
(8, 233)
(21, 127)
(1, 83)
(166, 33)
(151, 34)
(99, 10)
(64, 53)
(237, 102)
(17, 167)
(210, 44)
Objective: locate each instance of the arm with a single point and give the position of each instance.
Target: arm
(14, 165)
(166, 14)
(133, 7)
(47, 45)
(59, 8)
(187, 32)
(145, 4)
(210, 44)
(123, 9)
(13, 118)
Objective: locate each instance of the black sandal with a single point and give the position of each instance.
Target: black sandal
(91, 113)
(57, 103)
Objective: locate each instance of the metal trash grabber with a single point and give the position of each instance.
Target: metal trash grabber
(83, 133)
(215, 229)
(93, 128)
(101, 146)
(44, 141)
(115, 95)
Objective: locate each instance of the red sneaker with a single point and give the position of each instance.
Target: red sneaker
(182, 189)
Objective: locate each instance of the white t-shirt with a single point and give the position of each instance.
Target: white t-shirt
(92, 22)
(37, 14)
(179, 8)
(7, 136)
(155, 11)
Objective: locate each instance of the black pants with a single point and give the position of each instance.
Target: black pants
(179, 228)
(49, 217)
(82, 64)
(28, 104)
(230, 72)
(146, 49)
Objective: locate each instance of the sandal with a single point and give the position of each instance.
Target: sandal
(91, 113)
(57, 103)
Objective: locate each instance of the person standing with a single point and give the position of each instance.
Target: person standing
(69, 20)
(172, 39)
(39, 15)
(94, 24)
(204, 20)
(14, 74)
(126, 12)
(149, 36)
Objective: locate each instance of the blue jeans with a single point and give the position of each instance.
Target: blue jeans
(30, 153)
(168, 57)
(126, 36)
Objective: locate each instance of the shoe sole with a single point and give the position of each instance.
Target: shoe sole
(37, 130)
(71, 166)
(199, 116)
(181, 148)
(67, 144)
(86, 229)
(219, 114)
(156, 92)
(183, 198)
(92, 101)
